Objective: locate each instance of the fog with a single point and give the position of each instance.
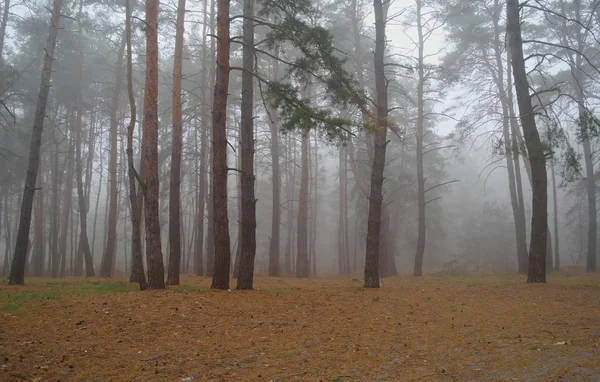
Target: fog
(447, 76)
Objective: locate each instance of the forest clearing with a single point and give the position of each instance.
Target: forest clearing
(437, 327)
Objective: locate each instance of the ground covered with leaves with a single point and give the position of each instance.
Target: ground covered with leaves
(437, 328)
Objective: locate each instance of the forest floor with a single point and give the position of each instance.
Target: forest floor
(434, 328)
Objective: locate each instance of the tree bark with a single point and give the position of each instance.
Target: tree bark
(17, 271)
(418, 270)
(137, 262)
(539, 220)
(376, 194)
(37, 260)
(111, 237)
(84, 246)
(199, 242)
(55, 228)
(248, 237)
(219, 149)
(509, 146)
(555, 206)
(175, 185)
(154, 258)
(274, 244)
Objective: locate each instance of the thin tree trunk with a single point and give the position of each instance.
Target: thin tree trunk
(555, 206)
(137, 262)
(302, 266)
(175, 185)
(210, 235)
(418, 271)
(156, 270)
(371, 277)
(111, 237)
(67, 208)
(17, 272)
(54, 254)
(289, 184)
(3, 24)
(219, 149)
(199, 242)
(37, 259)
(315, 210)
(274, 244)
(539, 220)
(517, 145)
(248, 237)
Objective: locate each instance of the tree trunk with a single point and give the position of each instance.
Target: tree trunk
(555, 206)
(54, 254)
(137, 262)
(289, 184)
(219, 149)
(520, 222)
(274, 244)
(17, 271)
(376, 194)
(508, 143)
(248, 237)
(154, 258)
(341, 252)
(199, 242)
(37, 259)
(302, 267)
(315, 210)
(111, 237)
(84, 246)
(175, 185)
(539, 220)
(3, 24)
(418, 271)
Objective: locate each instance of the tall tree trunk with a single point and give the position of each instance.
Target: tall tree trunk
(37, 259)
(111, 237)
(248, 243)
(237, 245)
(137, 262)
(154, 258)
(418, 270)
(274, 244)
(341, 251)
(302, 266)
(17, 271)
(199, 242)
(7, 231)
(289, 184)
(376, 194)
(62, 249)
(54, 254)
(175, 185)
(555, 207)
(3, 24)
(210, 232)
(315, 211)
(516, 147)
(539, 220)
(84, 247)
(498, 75)
(219, 149)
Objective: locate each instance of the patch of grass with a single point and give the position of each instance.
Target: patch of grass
(7, 308)
(375, 299)
(360, 289)
(95, 287)
(14, 302)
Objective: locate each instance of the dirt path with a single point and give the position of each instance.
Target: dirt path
(433, 328)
